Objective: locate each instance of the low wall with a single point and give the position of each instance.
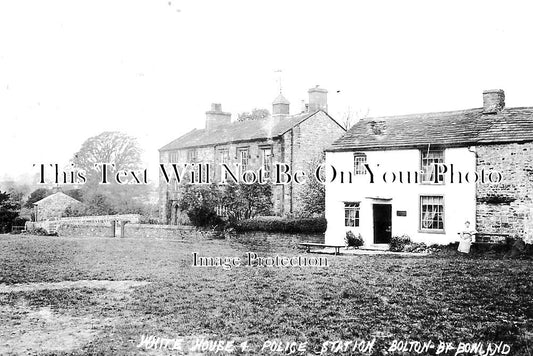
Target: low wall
(84, 230)
(260, 239)
(163, 231)
(275, 241)
(87, 229)
(132, 218)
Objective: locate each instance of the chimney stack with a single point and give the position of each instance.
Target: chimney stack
(280, 106)
(318, 99)
(215, 117)
(493, 101)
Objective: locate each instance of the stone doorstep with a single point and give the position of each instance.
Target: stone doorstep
(376, 247)
(365, 251)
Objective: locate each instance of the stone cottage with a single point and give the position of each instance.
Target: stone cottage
(425, 175)
(53, 206)
(281, 138)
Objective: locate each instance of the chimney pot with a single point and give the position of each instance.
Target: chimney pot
(493, 101)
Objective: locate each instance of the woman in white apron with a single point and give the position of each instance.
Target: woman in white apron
(465, 238)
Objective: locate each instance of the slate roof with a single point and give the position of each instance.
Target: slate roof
(451, 128)
(270, 127)
(280, 99)
(57, 196)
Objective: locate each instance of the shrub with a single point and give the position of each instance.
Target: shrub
(203, 216)
(41, 232)
(19, 221)
(199, 203)
(246, 201)
(353, 241)
(283, 225)
(415, 247)
(240, 202)
(147, 219)
(398, 243)
(8, 211)
(313, 191)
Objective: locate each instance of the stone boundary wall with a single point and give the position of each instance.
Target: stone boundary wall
(163, 231)
(132, 218)
(84, 229)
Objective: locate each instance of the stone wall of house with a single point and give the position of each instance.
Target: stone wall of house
(54, 207)
(507, 206)
(288, 157)
(311, 137)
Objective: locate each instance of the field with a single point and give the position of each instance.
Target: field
(127, 288)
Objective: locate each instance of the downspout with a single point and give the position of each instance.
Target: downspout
(472, 149)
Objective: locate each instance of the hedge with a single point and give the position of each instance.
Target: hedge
(283, 225)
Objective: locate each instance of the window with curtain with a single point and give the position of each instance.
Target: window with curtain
(432, 213)
(428, 160)
(351, 214)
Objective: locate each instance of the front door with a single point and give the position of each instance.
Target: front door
(382, 223)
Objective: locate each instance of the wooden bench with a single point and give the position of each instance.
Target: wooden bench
(308, 246)
(490, 238)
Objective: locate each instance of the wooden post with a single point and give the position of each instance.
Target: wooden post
(112, 228)
(122, 228)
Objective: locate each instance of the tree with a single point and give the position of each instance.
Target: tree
(75, 193)
(17, 191)
(108, 147)
(314, 192)
(37, 195)
(104, 199)
(255, 114)
(350, 117)
(8, 212)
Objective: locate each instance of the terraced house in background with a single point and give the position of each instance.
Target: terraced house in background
(280, 138)
(430, 203)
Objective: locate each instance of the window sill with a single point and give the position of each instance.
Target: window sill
(436, 232)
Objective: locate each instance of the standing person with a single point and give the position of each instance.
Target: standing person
(465, 238)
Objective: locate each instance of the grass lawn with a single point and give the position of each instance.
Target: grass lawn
(386, 297)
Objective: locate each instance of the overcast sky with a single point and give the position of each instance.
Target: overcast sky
(72, 69)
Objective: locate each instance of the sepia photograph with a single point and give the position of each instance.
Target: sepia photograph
(274, 177)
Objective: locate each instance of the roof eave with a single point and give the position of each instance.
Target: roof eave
(423, 145)
(276, 137)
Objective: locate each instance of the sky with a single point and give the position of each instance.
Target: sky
(72, 69)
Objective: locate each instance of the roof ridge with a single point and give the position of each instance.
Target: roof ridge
(235, 131)
(56, 193)
(432, 113)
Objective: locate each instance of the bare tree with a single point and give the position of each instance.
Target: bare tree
(351, 116)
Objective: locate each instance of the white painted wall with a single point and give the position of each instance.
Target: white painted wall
(459, 199)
